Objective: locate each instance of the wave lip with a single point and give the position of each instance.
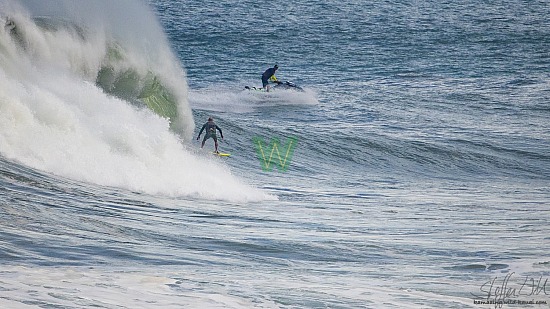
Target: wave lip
(131, 60)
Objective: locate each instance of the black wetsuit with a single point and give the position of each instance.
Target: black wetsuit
(267, 75)
(211, 128)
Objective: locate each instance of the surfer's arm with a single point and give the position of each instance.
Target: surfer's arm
(200, 132)
(221, 134)
(273, 78)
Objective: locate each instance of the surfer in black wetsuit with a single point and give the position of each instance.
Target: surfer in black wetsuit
(210, 128)
(269, 75)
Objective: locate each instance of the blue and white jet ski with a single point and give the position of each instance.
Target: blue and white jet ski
(279, 86)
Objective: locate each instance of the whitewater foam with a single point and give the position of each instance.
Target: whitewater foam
(237, 99)
(85, 38)
(53, 117)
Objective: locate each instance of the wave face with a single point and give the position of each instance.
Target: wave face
(118, 45)
(91, 91)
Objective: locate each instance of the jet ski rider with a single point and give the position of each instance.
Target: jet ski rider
(269, 75)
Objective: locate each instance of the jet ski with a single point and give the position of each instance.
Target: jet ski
(288, 85)
(279, 86)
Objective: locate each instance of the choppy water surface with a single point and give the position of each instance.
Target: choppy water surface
(419, 178)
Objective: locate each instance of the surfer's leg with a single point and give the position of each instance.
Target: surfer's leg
(215, 142)
(204, 139)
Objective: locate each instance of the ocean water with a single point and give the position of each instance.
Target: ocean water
(418, 178)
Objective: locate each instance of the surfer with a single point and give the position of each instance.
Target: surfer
(269, 75)
(211, 128)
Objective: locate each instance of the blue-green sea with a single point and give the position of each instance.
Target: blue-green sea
(412, 171)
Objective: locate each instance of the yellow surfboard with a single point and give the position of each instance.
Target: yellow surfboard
(222, 154)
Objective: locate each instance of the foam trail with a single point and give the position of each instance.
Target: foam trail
(54, 117)
(235, 97)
